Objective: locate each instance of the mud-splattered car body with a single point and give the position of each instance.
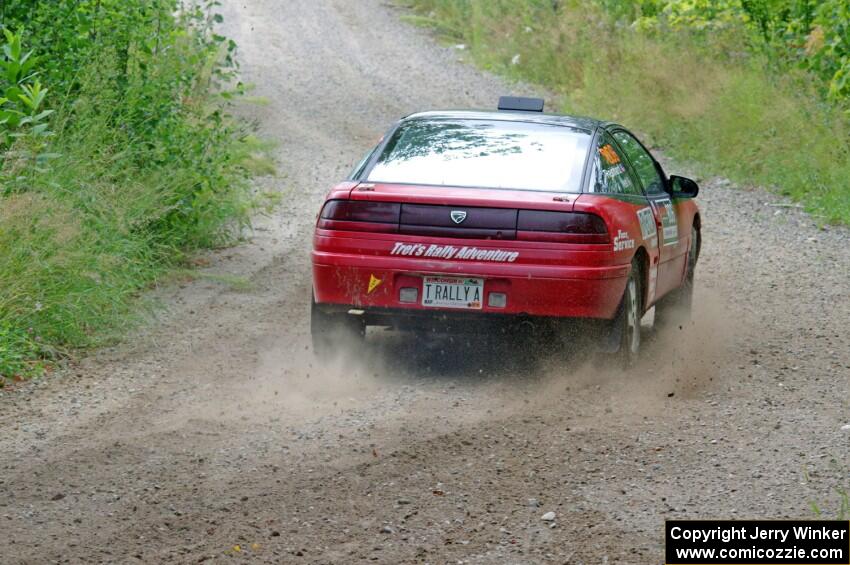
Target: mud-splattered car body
(565, 210)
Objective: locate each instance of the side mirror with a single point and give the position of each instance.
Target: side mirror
(683, 187)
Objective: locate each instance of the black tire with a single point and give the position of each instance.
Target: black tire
(333, 333)
(675, 308)
(629, 316)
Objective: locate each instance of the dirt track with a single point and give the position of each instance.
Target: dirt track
(214, 428)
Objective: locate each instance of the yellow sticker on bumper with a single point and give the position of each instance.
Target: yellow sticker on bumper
(374, 282)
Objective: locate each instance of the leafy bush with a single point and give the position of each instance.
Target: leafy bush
(814, 36)
(21, 104)
(698, 84)
(109, 176)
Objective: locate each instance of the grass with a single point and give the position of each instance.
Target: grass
(235, 282)
(841, 503)
(145, 167)
(730, 116)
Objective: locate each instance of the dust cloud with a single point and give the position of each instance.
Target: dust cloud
(515, 369)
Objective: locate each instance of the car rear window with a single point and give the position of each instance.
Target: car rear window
(485, 154)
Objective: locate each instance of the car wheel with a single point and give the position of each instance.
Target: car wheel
(675, 308)
(332, 333)
(629, 317)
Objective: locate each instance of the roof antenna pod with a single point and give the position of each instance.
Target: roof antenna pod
(520, 103)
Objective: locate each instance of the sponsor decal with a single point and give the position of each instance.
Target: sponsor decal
(670, 226)
(623, 241)
(451, 252)
(609, 154)
(647, 223)
(374, 282)
(614, 171)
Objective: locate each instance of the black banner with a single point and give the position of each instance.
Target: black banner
(757, 542)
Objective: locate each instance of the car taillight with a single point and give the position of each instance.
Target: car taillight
(566, 227)
(359, 215)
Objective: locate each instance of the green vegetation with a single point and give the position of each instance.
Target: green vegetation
(755, 90)
(842, 494)
(117, 157)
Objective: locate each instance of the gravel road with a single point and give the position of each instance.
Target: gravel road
(212, 435)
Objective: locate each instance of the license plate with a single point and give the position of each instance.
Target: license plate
(452, 292)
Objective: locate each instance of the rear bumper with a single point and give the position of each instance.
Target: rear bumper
(532, 290)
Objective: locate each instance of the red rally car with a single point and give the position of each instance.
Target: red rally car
(460, 217)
